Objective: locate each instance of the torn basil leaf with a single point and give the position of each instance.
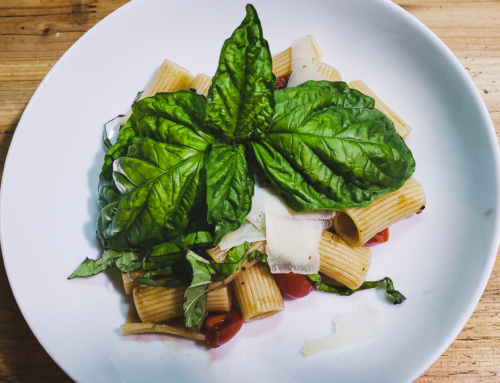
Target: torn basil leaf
(343, 290)
(125, 261)
(230, 188)
(234, 260)
(240, 100)
(195, 296)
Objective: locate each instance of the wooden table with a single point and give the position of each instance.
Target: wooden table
(35, 33)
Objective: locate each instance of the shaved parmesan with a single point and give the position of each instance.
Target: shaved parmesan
(246, 233)
(257, 214)
(350, 328)
(293, 245)
(306, 57)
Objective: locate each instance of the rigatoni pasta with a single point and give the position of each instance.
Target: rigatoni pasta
(345, 264)
(257, 292)
(201, 83)
(158, 304)
(357, 225)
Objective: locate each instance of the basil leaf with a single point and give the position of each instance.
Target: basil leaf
(343, 290)
(200, 239)
(240, 99)
(154, 176)
(235, 260)
(328, 148)
(229, 188)
(125, 261)
(195, 296)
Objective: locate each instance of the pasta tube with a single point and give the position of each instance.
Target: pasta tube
(402, 127)
(158, 304)
(357, 225)
(131, 285)
(257, 292)
(169, 78)
(329, 73)
(141, 328)
(201, 83)
(345, 264)
(282, 63)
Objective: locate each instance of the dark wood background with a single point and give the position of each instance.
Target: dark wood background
(35, 33)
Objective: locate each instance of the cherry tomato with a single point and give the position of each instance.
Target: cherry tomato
(294, 285)
(380, 237)
(282, 82)
(220, 329)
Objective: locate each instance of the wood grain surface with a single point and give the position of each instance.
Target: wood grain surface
(35, 33)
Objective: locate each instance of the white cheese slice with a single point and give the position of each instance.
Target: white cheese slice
(306, 57)
(246, 233)
(350, 328)
(293, 245)
(257, 214)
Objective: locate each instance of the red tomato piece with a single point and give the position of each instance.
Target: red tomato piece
(294, 285)
(220, 329)
(380, 237)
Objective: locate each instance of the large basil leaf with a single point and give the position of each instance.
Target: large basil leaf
(240, 100)
(175, 118)
(328, 148)
(195, 296)
(160, 183)
(229, 188)
(343, 290)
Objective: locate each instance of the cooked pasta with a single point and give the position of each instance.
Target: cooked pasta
(131, 285)
(201, 83)
(169, 78)
(282, 63)
(345, 264)
(142, 328)
(402, 127)
(357, 225)
(329, 73)
(257, 292)
(158, 304)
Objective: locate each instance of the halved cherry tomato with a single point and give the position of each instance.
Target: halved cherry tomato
(380, 237)
(220, 329)
(294, 285)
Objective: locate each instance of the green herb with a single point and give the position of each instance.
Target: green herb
(328, 148)
(229, 188)
(235, 258)
(342, 290)
(125, 261)
(195, 296)
(240, 99)
(161, 178)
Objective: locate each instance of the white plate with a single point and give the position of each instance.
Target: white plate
(440, 260)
